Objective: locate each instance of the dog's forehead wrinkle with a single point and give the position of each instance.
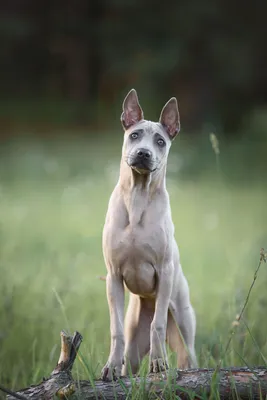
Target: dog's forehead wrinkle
(149, 127)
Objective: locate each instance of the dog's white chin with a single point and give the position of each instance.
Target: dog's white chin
(141, 171)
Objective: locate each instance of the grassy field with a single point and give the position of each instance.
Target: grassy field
(53, 199)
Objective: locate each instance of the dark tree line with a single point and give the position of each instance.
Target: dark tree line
(209, 53)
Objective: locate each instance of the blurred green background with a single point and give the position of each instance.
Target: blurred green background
(65, 69)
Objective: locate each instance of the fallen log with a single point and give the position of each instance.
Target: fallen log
(224, 383)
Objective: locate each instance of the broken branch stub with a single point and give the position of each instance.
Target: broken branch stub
(69, 348)
(60, 383)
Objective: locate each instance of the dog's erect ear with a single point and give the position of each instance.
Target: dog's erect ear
(132, 111)
(170, 118)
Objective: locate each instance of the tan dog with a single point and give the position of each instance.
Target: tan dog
(140, 251)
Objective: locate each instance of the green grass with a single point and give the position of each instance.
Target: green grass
(53, 199)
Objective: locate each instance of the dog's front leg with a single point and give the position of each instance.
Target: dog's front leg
(158, 355)
(115, 296)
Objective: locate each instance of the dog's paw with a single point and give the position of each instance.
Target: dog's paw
(111, 371)
(158, 365)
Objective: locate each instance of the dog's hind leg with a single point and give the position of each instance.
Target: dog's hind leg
(176, 343)
(137, 332)
(181, 344)
(181, 328)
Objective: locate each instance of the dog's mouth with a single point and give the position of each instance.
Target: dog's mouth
(142, 171)
(141, 167)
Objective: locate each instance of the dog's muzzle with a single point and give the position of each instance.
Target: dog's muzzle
(141, 161)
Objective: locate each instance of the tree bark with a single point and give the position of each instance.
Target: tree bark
(225, 383)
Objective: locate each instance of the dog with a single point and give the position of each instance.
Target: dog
(141, 253)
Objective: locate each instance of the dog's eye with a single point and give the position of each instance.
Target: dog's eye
(134, 135)
(161, 142)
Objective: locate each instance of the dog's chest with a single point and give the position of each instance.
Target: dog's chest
(139, 255)
(139, 243)
(137, 251)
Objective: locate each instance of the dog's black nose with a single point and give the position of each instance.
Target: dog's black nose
(143, 153)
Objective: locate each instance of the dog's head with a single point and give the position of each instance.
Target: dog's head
(146, 144)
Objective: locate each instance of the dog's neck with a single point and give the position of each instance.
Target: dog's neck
(138, 190)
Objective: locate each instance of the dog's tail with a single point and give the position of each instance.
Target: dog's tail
(102, 278)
